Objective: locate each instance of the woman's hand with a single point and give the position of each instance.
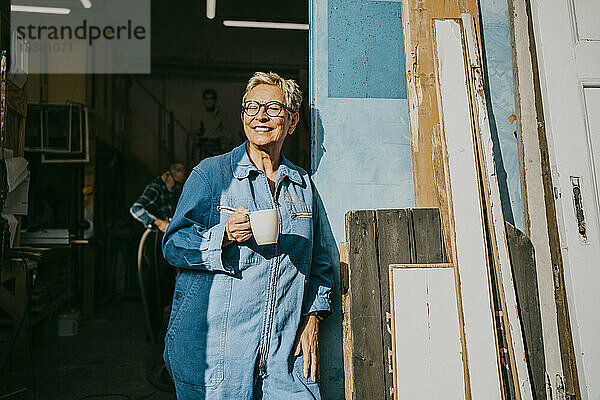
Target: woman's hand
(307, 342)
(161, 224)
(237, 228)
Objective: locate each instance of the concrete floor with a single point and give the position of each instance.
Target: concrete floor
(110, 355)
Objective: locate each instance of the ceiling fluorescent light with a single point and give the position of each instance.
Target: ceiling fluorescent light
(266, 25)
(211, 9)
(86, 3)
(40, 10)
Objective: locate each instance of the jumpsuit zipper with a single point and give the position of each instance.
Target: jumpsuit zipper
(271, 289)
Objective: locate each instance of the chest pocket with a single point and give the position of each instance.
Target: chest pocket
(300, 212)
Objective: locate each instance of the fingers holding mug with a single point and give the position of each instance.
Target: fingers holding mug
(238, 225)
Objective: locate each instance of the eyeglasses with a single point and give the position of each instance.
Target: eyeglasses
(273, 108)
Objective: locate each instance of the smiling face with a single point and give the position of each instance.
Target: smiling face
(263, 130)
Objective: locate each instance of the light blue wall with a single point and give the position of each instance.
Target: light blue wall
(361, 156)
(499, 74)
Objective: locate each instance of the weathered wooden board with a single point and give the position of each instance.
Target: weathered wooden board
(429, 159)
(522, 257)
(538, 198)
(364, 296)
(429, 243)
(394, 236)
(427, 339)
(346, 324)
(395, 244)
(471, 250)
(495, 218)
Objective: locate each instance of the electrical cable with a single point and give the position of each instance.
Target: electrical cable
(29, 286)
(16, 392)
(145, 300)
(157, 275)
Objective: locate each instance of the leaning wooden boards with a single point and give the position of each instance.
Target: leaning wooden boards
(468, 236)
(479, 237)
(492, 201)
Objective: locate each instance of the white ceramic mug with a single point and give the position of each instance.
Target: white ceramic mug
(265, 226)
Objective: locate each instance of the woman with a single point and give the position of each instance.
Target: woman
(245, 317)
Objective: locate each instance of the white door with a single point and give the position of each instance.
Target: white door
(567, 34)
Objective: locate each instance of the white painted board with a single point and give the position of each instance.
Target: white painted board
(468, 224)
(426, 334)
(536, 227)
(498, 238)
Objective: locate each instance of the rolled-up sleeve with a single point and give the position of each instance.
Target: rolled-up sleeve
(317, 296)
(189, 241)
(139, 209)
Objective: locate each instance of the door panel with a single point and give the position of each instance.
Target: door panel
(586, 15)
(592, 108)
(568, 45)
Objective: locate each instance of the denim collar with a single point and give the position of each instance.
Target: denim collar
(241, 165)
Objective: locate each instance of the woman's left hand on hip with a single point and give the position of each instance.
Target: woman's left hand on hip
(307, 343)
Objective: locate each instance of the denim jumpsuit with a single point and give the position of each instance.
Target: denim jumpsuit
(236, 310)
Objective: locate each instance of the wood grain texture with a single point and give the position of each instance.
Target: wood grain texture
(364, 294)
(522, 258)
(429, 242)
(429, 157)
(346, 322)
(395, 244)
(392, 236)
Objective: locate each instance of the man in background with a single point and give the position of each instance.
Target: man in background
(156, 205)
(208, 125)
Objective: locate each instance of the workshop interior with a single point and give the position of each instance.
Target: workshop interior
(84, 292)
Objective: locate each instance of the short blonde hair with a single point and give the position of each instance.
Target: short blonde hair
(289, 87)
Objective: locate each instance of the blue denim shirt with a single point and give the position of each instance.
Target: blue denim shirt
(195, 235)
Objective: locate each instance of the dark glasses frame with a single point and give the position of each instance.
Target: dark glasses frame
(265, 105)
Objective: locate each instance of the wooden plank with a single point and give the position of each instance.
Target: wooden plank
(346, 320)
(468, 231)
(395, 244)
(522, 258)
(429, 158)
(429, 243)
(530, 130)
(365, 296)
(427, 343)
(495, 219)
